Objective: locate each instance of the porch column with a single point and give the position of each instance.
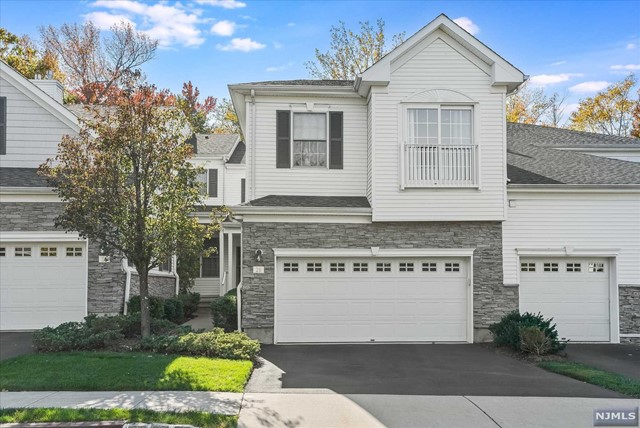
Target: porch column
(229, 262)
(221, 261)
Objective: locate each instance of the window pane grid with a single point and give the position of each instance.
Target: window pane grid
(310, 139)
(360, 267)
(336, 267)
(314, 267)
(48, 251)
(291, 267)
(383, 267)
(429, 267)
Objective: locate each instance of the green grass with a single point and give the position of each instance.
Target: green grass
(605, 379)
(199, 419)
(113, 371)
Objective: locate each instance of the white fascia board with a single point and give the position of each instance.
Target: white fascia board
(373, 252)
(49, 236)
(248, 210)
(239, 106)
(39, 96)
(599, 148)
(573, 188)
(568, 252)
(25, 190)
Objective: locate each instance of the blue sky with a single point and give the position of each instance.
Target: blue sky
(574, 48)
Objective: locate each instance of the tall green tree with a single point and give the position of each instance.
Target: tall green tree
(533, 106)
(608, 112)
(225, 119)
(350, 52)
(126, 182)
(21, 53)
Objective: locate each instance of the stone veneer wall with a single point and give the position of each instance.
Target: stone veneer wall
(629, 298)
(491, 299)
(159, 285)
(106, 280)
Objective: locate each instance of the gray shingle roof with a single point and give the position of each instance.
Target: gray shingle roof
(237, 157)
(533, 158)
(21, 177)
(302, 82)
(310, 201)
(88, 112)
(215, 144)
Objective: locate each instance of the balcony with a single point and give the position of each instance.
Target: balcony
(440, 165)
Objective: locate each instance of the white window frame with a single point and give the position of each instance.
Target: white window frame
(292, 139)
(404, 136)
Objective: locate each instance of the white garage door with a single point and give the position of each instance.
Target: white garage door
(371, 299)
(42, 284)
(574, 291)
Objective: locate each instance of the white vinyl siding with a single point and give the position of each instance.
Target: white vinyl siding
(439, 63)
(33, 134)
(233, 175)
(577, 221)
(229, 180)
(269, 180)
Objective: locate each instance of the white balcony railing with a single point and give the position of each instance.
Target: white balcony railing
(440, 165)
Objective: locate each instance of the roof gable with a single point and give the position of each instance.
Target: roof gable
(39, 96)
(502, 72)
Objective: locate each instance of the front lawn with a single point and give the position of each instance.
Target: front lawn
(605, 379)
(199, 419)
(112, 371)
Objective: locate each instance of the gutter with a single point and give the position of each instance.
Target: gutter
(174, 268)
(580, 188)
(14, 190)
(127, 283)
(239, 209)
(239, 304)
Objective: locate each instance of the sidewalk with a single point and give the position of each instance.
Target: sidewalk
(322, 409)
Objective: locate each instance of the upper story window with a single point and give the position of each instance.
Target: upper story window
(309, 139)
(439, 149)
(210, 262)
(209, 183)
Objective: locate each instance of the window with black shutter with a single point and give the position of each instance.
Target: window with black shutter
(243, 190)
(283, 139)
(213, 183)
(3, 125)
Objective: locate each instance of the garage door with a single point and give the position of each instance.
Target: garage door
(575, 292)
(42, 284)
(371, 299)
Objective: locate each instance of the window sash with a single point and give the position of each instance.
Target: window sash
(309, 140)
(210, 265)
(440, 125)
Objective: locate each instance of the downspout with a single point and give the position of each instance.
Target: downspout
(174, 268)
(127, 283)
(253, 144)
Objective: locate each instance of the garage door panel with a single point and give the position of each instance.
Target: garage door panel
(577, 301)
(357, 306)
(41, 290)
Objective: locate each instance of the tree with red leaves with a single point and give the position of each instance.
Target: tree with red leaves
(195, 111)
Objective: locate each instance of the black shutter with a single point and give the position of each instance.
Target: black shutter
(283, 139)
(243, 192)
(335, 140)
(213, 183)
(3, 125)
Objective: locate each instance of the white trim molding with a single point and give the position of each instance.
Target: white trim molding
(51, 236)
(568, 251)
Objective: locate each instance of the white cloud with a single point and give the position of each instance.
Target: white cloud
(226, 4)
(627, 67)
(551, 79)
(587, 87)
(242, 45)
(291, 24)
(467, 24)
(631, 46)
(106, 20)
(558, 63)
(224, 28)
(279, 67)
(170, 25)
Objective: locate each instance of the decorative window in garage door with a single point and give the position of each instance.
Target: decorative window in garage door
(3, 252)
(406, 267)
(574, 267)
(429, 267)
(383, 267)
(551, 267)
(452, 267)
(291, 267)
(314, 267)
(336, 267)
(48, 251)
(596, 267)
(22, 252)
(527, 267)
(74, 251)
(361, 267)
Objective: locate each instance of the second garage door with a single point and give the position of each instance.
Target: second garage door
(372, 299)
(574, 291)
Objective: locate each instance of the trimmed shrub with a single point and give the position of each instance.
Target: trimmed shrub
(506, 332)
(190, 302)
(73, 336)
(215, 343)
(174, 310)
(156, 306)
(224, 311)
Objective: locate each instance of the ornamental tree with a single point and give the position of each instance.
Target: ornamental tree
(126, 182)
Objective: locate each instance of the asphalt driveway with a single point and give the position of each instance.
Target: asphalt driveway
(410, 369)
(618, 358)
(13, 344)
